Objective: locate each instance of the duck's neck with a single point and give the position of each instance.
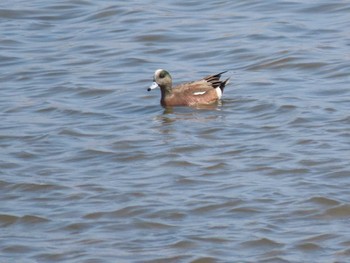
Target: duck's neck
(165, 91)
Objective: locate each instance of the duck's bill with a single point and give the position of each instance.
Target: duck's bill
(153, 86)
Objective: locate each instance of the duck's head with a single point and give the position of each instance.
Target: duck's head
(162, 80)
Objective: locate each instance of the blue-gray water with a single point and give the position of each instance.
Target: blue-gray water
(93, 169)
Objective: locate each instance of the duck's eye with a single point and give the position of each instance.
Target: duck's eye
(162, 74)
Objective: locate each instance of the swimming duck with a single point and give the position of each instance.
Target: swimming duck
(201, 92)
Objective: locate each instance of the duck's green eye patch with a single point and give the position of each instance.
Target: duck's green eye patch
(162, 74)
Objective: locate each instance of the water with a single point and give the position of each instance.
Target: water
(93, 169)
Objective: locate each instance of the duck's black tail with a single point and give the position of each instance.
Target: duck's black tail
(223, 84)
(216, 82)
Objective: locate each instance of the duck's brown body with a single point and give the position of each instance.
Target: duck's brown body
(206, 91)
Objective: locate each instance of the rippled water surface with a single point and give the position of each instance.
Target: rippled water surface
(93, 169)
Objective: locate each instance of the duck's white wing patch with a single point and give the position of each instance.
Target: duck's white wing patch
(199, 93)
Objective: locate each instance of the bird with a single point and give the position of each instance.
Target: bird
(206, 91)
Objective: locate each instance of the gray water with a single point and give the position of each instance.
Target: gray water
(93, 169)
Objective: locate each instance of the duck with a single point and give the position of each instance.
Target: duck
(205, 91)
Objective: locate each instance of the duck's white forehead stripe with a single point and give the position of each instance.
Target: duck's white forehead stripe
(157, 72)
